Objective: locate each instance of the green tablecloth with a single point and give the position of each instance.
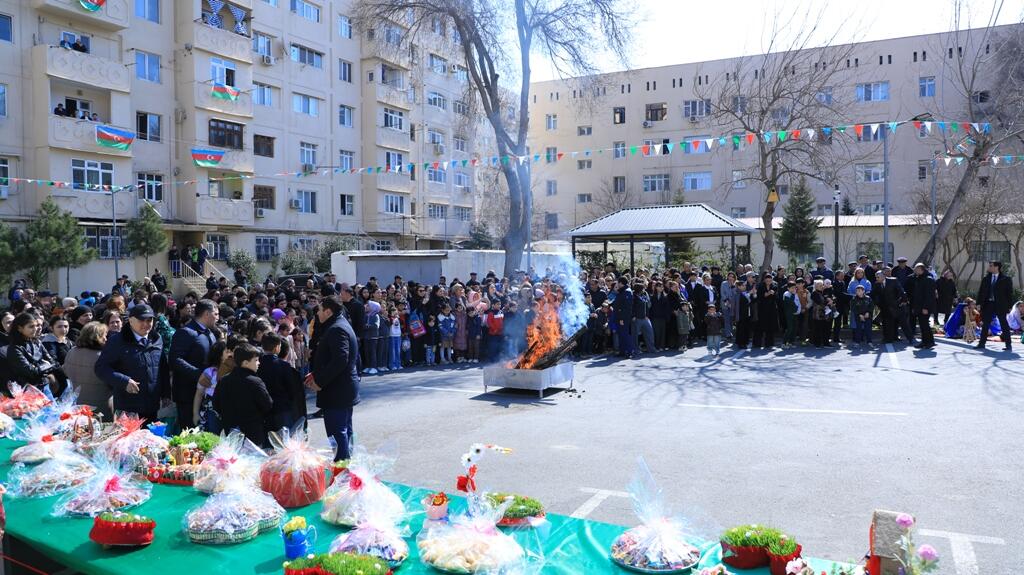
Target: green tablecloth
(563, 545)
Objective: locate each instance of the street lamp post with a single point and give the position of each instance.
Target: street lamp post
(935, 216)
(885, 195)
(835, 232)
(114, 240)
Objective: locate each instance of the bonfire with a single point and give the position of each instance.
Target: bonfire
(545, 342)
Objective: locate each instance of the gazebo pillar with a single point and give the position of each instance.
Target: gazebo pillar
(666, 253)
(574, 248)
(632, 257)
(732, 244)
(605, 260)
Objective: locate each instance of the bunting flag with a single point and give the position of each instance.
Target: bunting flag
(239, 16)
(112, 137)
(207, 158)
(92, 5)
(859, 130)
(750, 138)
(224, 92)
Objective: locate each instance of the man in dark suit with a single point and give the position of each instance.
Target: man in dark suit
(923, 300)
(995, 296)
(888, 291)
(335, 374)
(698, 295)
(132, 365)
(190, 348)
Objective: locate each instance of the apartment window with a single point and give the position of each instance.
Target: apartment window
(382, 245)
(870, 173)
(147, 126)
(306, 10)
(436, 100)
(345, 27)
(461, 73)
(394, 204)
(584, 164)
(148, 10)
(873, 209)
(346, 116)
(922, 169)
(780, 115)
(461, 180)
(6, 28)
(262, 44)
(459, 143)
(619, 184)
(346, 159)
(5, 171)
(926, 87)
(264, 197)
(462, 213)
(307, 153)
(869, 134)
(738, 212)
(347, 204)
(584, 198)
(824, 209)
(584, 130)
(437, 25)
(656, 182)
(460, 107)
(650, 148)
(435, 137)
(619, 115)
(619, 149)
(551, 187)
(147, 66)
(438, 64)
(550, 154)
(86, 174)
(696, 108)
(824, 96)
(437, 211)
(739, 104)
(266, 248)
(701, 146)
(344, 70)
(982, 97)
(782, 189)
(304, 55)
(307, 201)
(696, 181)
(263, 145)
(3, 100)
(738, 182)
(656, 112)
(222, 71)
(873, 92)
(106, 242)
(394, 119)
(551, 221)
(226, 134)
(988, 251)
(151, 186)
(393, 160)
(436, 175)
(217, 244)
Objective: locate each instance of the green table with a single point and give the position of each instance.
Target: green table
(562, 546)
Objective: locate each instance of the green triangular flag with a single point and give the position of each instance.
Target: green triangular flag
(842, 129)
(782, 135)
(954, 128)
(736, 141)
(632, 150)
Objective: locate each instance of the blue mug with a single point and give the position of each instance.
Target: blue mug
(299, 543)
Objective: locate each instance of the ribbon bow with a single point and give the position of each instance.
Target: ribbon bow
(224, 462)
(47, 438)
(354, 483)
(467, 482)
(113, 484)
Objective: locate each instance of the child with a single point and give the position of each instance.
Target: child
(684, 325)
(275, 374)
(395, 342)
(861, 307)
(461, 335)
(430, 339)
(494, 323)
(791, 310)
(221, 364)
(446, 323)
(241, 399)
(713, 329)
(403, 317)
(301, 351)
(474, 333)
(972, 319)
(296, 386)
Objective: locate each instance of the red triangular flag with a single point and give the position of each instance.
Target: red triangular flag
(750, 137)
(859, 129)
(436, 164)
(696, 145)
(646, 149)
(473, 161)
(560, 154)
(795, 134)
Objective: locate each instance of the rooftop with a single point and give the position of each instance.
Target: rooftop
(661, 222)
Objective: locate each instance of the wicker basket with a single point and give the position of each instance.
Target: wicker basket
(221, 537)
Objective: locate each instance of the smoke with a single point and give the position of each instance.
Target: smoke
(573, 313)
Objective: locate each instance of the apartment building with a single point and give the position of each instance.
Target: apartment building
(287, 92)
(874, 83)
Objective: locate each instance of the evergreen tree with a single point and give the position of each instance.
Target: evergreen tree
(799, 230)
(145, 234)
(51, 241)
(9, 257)
(847, 208)
(241, 259)
(322, 255)
(479, 237)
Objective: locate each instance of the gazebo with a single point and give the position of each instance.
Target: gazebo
(659, 224)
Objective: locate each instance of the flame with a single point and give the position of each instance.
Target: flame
(543, 335)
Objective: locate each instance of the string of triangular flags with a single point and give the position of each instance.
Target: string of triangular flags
(210, 158)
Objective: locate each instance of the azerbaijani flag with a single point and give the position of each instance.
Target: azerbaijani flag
(224, 92)
(206, 158)
(112, 137)
(92, 5)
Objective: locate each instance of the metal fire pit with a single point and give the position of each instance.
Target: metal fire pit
(558, 375)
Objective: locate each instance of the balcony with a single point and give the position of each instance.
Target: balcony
(236, 161)
(437, 227)
(82, 68)
(80, 135)
(241, 107)
(394, 182)
(224, 211)
(394, 139)
(436, 116)
(394, 96)
(222, 42)
(114, 15)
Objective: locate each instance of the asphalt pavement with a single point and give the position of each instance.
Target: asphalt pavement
(810, 441)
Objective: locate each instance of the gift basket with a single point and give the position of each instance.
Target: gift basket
(24, 400)
(129, 446)
(233, 458)
(76, 422)
(354, 494)
(659, 544)
(471, 543)
(238, 513)
(7, 425)
(42, 443)
(179, 463)
(296, 474)
(118, 529)
(111, 488)
(64, 470)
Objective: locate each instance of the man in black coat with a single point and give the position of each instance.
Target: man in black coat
(241, 399)
(132, 364)
(276, 376)
(698, 296)
(889, 292)
(623, 307)
(190, 348)
(923, 300)
(995, 295)
(335, 374)
(767, 303)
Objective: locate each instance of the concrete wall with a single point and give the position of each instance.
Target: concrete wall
(358, 266)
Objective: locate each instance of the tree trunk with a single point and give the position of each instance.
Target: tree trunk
(949, 218)
(518, 179)
(769, 236)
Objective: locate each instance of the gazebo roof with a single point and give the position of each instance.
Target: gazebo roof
(660, 222)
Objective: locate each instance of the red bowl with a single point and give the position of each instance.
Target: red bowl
(744, 557)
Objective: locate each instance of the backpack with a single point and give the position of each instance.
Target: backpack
(416, 327)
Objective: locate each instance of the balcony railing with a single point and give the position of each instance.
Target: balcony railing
(82, 67)
(394, 95)
(392, 138)
(224, 211)
(242, 106)
(113, 15)
(80, 135)
(396, 182)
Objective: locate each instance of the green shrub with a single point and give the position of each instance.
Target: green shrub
(204, 440)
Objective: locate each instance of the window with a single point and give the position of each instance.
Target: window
(824, 96)
(435, 137)
(436, 100)
(460, 107)
(222, 71)
(656, 182)
(6, 28)
(551, 187)
(262, 44)
(436, 175)
(346, 159)
(393, 160)
(151, 186)
(550, 154)
(619, 149)
(870, 173)
(147, 66)
(5, 171)
(982, 97)
(551, 221)
(345, 27)
(437, 211)
(619, 184)
(382, 245)
(307, 153)
(696, 181)
(263, 145)
(584, 130)
(266, 248)
(438, 64)
(308, 11)
(584, 164)
(394, 119)
(551, 122)
(460, 143)
(462, 213)
(217, 244)
(870, 134)
(701, 146)
(462, 181)
(739, 104)
(148, 10)
(147, 126)
(103, 240)
(737, 180)
(394, 204)
(263, 95)
(873, 92)
(346, 116)
(618, 115)
(3, 100)
(696, 108)
(738, 212)
(926, 87)
(461, 73)
(780, 115)
(307, 56)
(347, 204)
(307, 201)
(782, 189)
(649, 148)
(344, 70)
(264, 197)
(584, 198)
(226, 134)
(874, 209)
(989, 251)
(85, 174)
(656, 112)
(824, 209)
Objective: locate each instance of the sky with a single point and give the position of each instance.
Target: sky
(681, 31)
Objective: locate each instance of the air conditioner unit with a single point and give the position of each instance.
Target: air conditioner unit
(268, 60)
(261, 213)
(4, 192)
(648, 123)
(295, 204)
(308, 168)
(693, 119)
(439, 149)
(180, 115)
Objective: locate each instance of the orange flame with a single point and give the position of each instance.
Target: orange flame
(543, 335)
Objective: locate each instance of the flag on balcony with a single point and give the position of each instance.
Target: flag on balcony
(206, 158)
(224, 92)
(112, 137)
(92, 5)
(239, 16)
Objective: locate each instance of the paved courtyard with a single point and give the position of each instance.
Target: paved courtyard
(806, 440)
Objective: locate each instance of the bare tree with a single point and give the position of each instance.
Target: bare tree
(571, 34)
(606, 199)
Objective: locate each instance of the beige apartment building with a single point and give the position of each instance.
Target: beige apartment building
(316, 97)
(873, 83)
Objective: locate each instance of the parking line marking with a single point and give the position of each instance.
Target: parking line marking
(598, 497)
(794, 409)
(448, 389)
(964, 558)
(890, 354)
